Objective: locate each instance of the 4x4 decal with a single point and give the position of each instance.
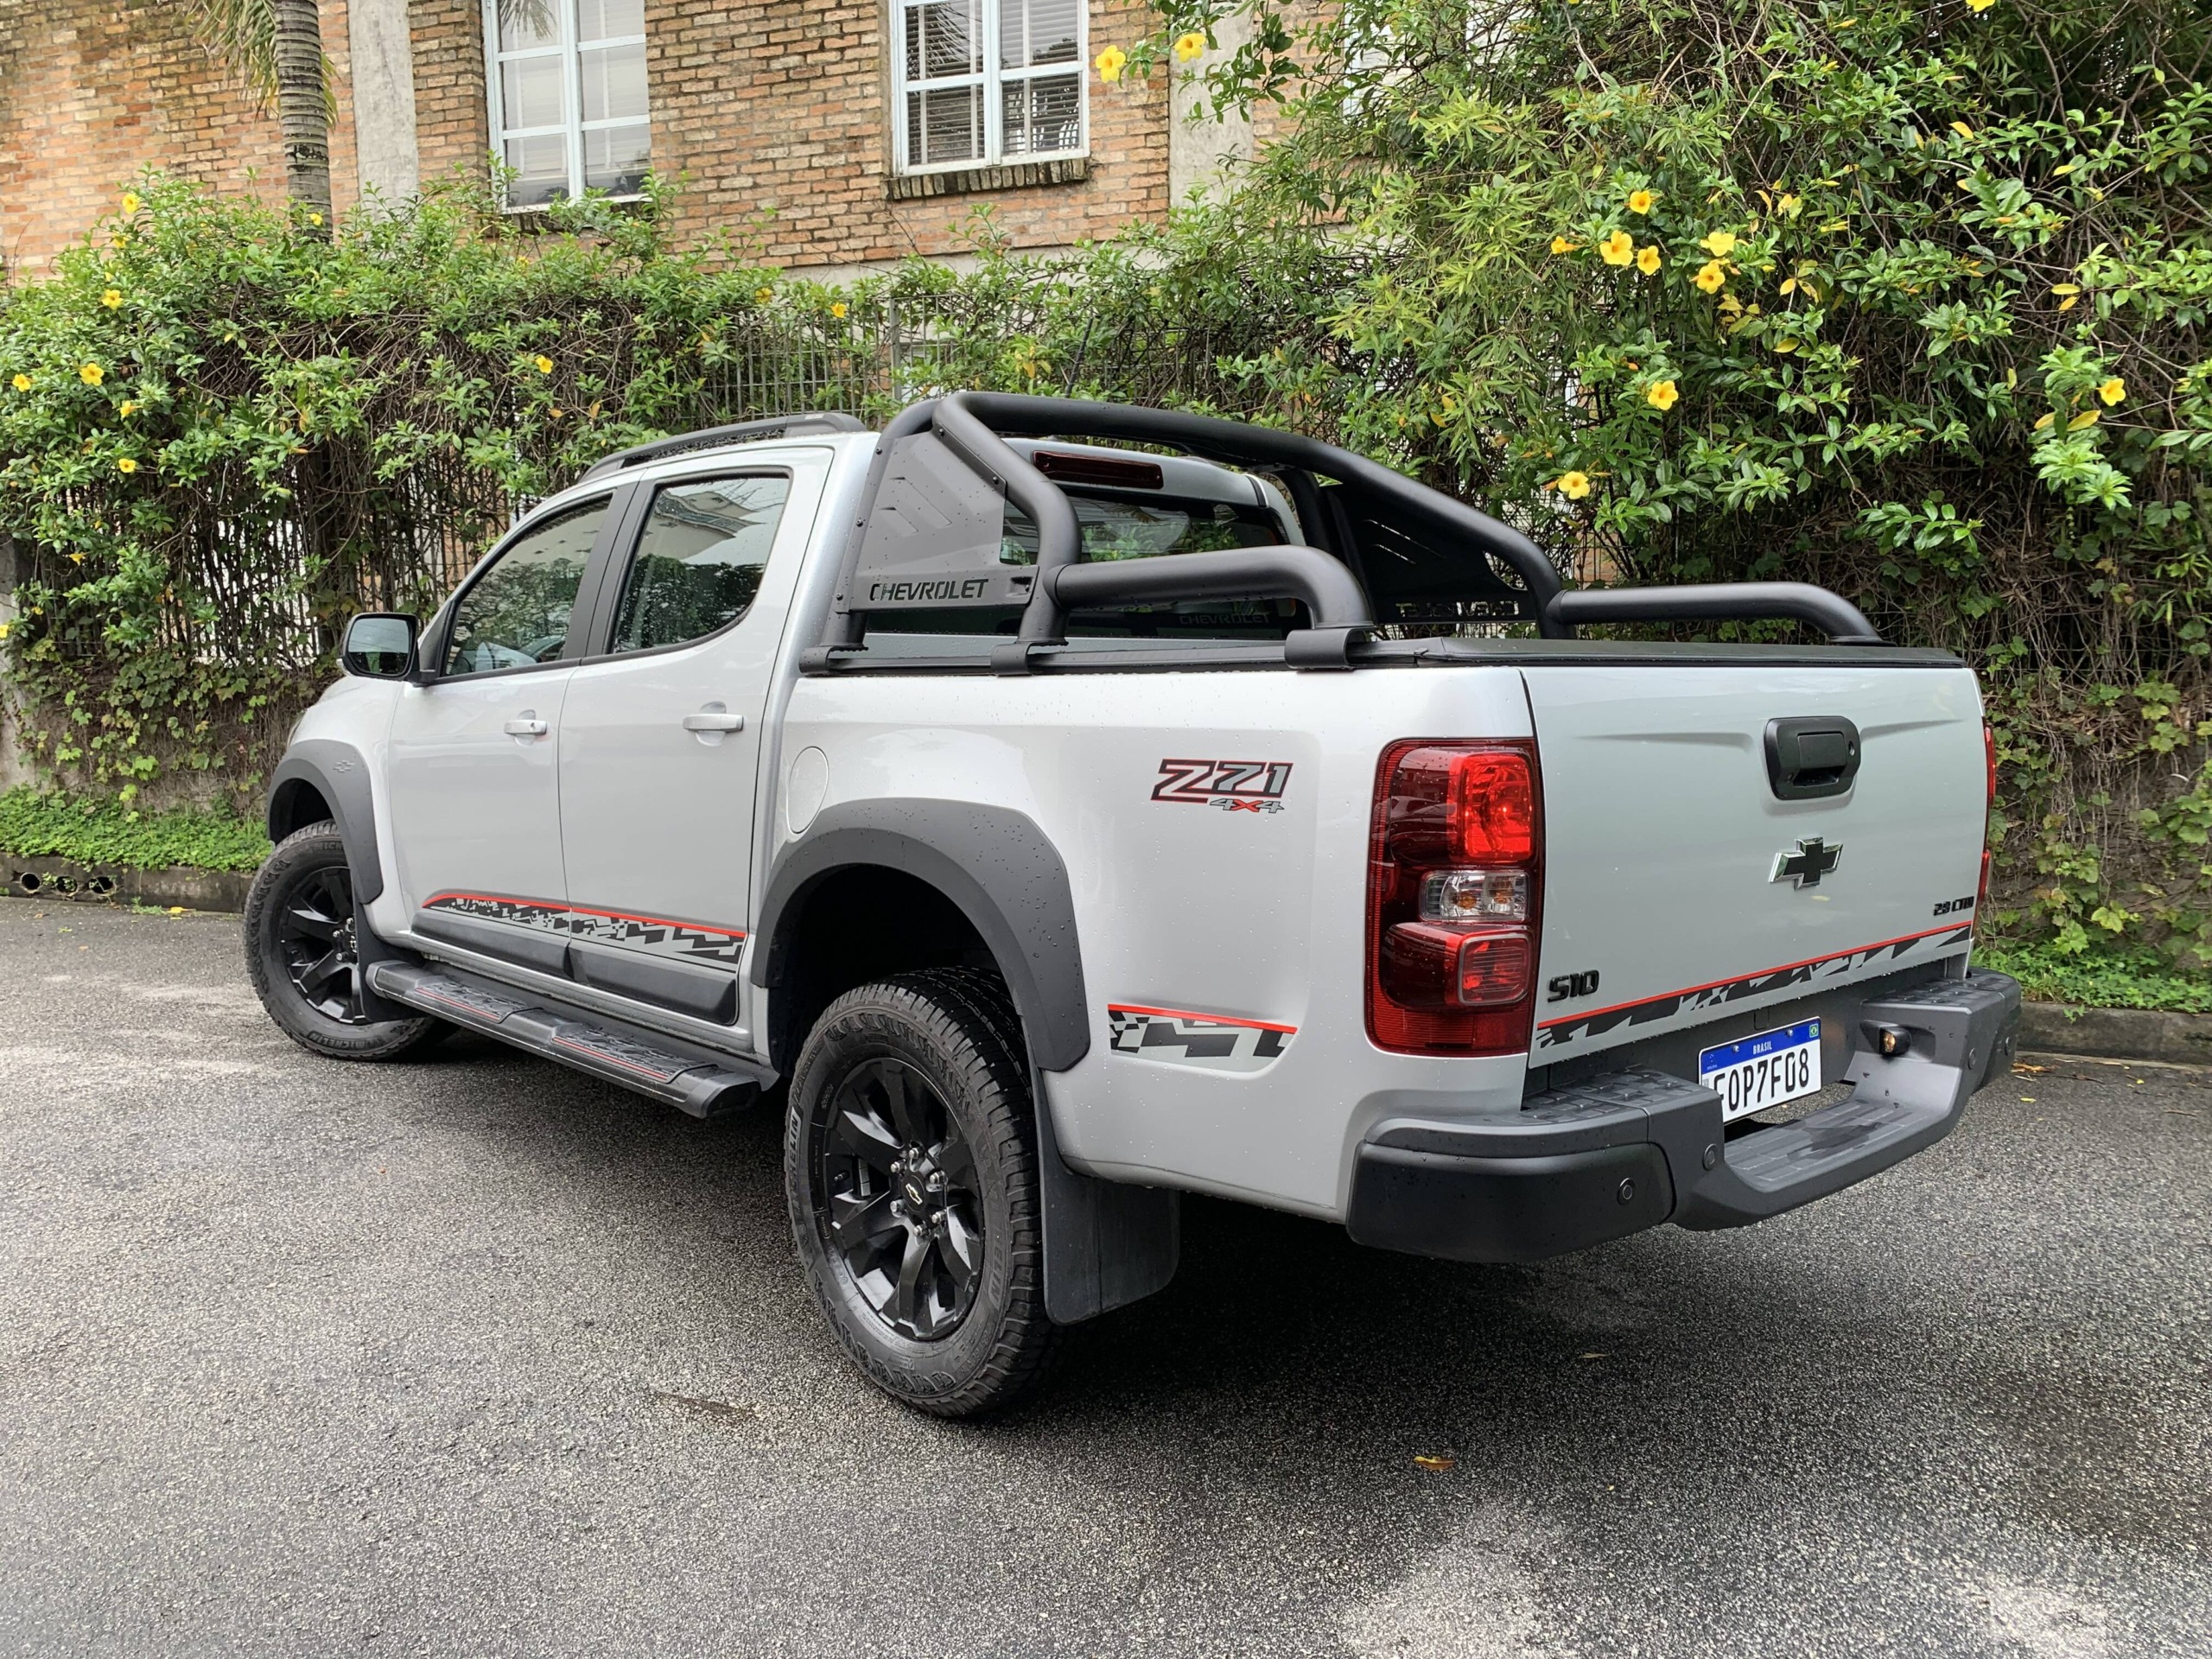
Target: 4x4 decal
(1213, 1042)
(1234, 786)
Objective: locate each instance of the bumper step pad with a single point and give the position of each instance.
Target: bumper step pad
(1610, 1156)
(701, 1087)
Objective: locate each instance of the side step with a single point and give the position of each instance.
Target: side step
(649, 1064)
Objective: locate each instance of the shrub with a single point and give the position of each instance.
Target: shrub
(1904, 299)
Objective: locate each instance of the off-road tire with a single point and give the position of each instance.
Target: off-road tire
(309, 868)
(956, 1031)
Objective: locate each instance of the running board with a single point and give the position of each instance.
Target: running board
(634, 1059)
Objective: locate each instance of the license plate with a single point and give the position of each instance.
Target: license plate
(1763, 1070)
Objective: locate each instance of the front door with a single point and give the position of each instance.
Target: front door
(474, 791)
(660, 740)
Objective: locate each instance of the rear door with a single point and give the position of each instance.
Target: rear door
(661, 735)
(1687, 873)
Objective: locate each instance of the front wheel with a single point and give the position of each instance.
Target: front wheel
(302, 953)
(910, 1164)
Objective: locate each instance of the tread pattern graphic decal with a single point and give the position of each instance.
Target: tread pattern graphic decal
(1555, 1033)
(655, 936)
(1213, 1042)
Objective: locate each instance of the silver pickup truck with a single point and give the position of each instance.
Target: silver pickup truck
(1059, 807)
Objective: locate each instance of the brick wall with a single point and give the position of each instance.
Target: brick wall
(452, 124)
(777, 113)
(91, 90)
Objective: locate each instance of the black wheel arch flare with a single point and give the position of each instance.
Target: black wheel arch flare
(992, 863)
(338, 773)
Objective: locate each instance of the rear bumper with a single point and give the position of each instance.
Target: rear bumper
(1629, 1150)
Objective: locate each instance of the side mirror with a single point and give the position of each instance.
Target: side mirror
(379, 646)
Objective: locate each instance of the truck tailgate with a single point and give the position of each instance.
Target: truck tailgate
(1678, 883)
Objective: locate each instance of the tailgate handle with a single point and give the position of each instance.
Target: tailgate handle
(1810, 757)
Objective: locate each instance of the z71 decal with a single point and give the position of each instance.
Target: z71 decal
(1233, 785)
(1214, 1042)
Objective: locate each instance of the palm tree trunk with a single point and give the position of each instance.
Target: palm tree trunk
(302, 113)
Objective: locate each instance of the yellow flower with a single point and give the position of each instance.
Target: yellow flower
(762, 295)
(1719, 244)
(837, 310)
(128, 410)
(314, 218)
(1646, 260)
(91, 374)
(1711, 277)
(1791, 206)
(131, 203)
(1560, 245)
(126, 465)
(4, 630)
(1572, 486)
(1661, 394)
(1111, 63)
(2113, 391)
(1639, 201)
(22, 383)
(1190, 46)
(544, 364)
(2086, 417)
(1980, 5)
(112, 299)
(1619, 248)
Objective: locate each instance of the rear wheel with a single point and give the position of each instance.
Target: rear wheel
(911, 1167)
(302, 953)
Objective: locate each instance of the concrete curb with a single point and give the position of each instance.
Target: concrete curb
(65, 881)
(2117, 1034)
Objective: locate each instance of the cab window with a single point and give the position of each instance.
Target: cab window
(515, 614)
(699, 559)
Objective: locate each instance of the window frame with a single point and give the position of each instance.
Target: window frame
(614, 569)
(437, 644)
(993, 79)
(572, 130)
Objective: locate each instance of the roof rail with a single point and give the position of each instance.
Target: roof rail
(713, 436)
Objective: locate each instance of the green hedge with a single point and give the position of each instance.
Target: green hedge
(1913, 305)
(44, 823)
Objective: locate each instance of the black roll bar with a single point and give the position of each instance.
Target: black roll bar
(1017, 415)
(1282, 572)
(1844, 623)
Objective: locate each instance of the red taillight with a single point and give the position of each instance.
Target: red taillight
(1456, 840)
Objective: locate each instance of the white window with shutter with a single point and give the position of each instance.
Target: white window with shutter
(982, 82)
(568, 96)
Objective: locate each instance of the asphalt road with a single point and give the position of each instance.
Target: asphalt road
(480, 1357)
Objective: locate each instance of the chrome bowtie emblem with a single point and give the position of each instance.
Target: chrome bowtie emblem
(1814, 859)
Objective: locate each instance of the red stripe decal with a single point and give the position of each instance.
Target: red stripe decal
(586, 909)
(1202, 1018)
(1736, 979)
(616, 1059)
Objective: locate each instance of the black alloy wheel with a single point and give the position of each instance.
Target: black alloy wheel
(905, 1221)
(910, 1169)
(314, 935)
(303, 954)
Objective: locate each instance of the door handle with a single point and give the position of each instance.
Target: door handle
(714, 719)
(527, 726)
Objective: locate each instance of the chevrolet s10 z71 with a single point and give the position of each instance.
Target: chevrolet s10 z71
(1059, 807)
